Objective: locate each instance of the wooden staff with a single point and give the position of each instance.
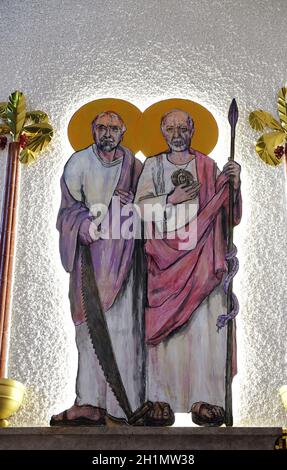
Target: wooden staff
(232, 117)
(7, 248)
(6, 195)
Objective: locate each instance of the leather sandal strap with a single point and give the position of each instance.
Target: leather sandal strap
(195, 408)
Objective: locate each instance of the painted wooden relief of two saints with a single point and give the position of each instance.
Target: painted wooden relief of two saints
(149, 250)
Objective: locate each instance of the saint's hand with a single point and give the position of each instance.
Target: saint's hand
(126, 197)
(89, 232)
(183, 193)
(84, 232)
(233, 169)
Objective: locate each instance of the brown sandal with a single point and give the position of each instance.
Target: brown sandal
(151, 421)
(214, 420)
(80, 421)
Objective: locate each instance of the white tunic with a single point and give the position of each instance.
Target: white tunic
(92, 180)
(189, 365)
(154, 185)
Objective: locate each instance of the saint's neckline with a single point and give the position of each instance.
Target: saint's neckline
(117, 161)
(181, 164)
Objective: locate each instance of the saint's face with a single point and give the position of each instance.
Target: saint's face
(107, 132)
(177, 131)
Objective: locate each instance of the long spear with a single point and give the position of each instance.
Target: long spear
(232, 118)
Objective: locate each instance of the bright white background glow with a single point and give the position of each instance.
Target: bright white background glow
(62, 54)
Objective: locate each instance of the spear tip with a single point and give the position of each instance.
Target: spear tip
(233, 114)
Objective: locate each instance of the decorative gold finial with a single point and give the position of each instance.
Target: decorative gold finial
(11, 397)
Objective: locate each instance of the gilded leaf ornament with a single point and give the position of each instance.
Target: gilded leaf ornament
(272, 146)
(282, 107)
(30, 128)
(38, 138)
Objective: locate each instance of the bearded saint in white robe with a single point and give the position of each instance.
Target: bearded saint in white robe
(92, 177)
(186, 354)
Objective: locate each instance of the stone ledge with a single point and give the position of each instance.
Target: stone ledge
(133, 438)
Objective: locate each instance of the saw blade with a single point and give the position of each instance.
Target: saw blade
(98, 330)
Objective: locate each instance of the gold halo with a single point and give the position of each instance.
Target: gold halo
(80, 130)
(151, 139)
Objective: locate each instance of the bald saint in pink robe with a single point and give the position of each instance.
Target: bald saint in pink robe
(186, 354)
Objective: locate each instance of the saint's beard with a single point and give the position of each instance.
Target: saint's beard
(178, 145)
(107, 145)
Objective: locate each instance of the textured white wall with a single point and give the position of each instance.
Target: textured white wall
(63, 53)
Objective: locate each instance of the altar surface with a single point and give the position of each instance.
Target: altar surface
(133, 438)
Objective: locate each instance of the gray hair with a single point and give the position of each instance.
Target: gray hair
(189, 118)
(112, 114)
